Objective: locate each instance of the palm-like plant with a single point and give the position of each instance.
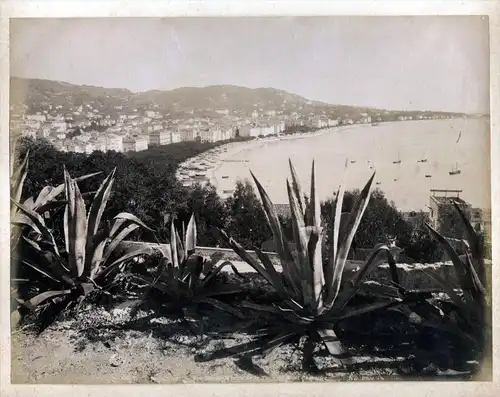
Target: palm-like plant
(312, 301)
(186, 280)
(83, 264)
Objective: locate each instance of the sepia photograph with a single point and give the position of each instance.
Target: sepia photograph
(250, 199)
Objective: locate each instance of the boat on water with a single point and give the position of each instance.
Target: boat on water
(398, 161)
(379, 183)
(428, 176)
(353, 161)
(455, 171)
(227, 191)
(225, 176)
(422, 161)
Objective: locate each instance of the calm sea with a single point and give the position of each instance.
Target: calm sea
(379, 147)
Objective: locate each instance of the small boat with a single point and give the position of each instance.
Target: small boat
(455, 171)
(395, 179)
(422, 161)
(428, 176)
(353, 161)
(379, 183)
(225, 176)
(398, 160)
(227, 191)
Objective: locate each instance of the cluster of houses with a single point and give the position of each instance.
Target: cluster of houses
(85, 130)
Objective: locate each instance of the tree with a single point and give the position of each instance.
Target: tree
(247, 220)
(209, 210)
(380, 221)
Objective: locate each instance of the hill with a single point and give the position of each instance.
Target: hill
(39, 94)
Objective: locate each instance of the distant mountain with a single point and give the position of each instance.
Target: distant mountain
(39, 94)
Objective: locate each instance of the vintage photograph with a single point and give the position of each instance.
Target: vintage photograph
(250, 199)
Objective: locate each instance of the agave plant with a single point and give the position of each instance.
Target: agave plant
(83, 265)
(46, 200)
(469, 318)
(186, 280)
(312, 297)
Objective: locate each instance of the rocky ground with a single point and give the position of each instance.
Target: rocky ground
(99, 345)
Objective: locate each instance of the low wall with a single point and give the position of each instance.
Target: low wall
(412, 276)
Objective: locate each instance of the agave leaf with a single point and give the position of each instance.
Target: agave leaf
(94, 216)
(34, 244)
(479, 290)
(132, 218)
(195, 271)
(273, 274)
(23, 220)
(190, 244)
(107, 270)
(471, 233)
(460, 268)
(331, 341)
(173, 245)
(343, 251)
(316, 265)
(448, 289)
(40, 298)
(50, 206)
(181, 254)
(297, 190)
(37, 224)
(222, 306)
(40, 270)
(283, 250)
(215, 271)
(55, 192)
(315, 205)
(41, 199)
(252, 347)
(353, 312)
(97, 258)
(29, 203)
(301, 241)
(115, 242)
(18, 178)
(77, 226)
(374, 261)
(261, 308)
(245, 256)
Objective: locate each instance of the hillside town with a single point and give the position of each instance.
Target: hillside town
(91, 127)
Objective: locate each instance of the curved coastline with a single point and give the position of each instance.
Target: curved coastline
(231, 149)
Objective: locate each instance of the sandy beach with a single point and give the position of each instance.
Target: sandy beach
(232, 150)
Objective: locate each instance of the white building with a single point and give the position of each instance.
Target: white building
(159, 138)
(36, 117)
(114, 142)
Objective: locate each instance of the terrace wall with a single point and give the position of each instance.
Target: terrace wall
(412, 276)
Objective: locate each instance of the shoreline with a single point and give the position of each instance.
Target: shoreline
(234, 148)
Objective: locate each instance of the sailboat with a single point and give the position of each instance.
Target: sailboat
(455, 170)
(398, 161)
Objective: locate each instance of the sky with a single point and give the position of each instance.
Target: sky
(411, 63)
